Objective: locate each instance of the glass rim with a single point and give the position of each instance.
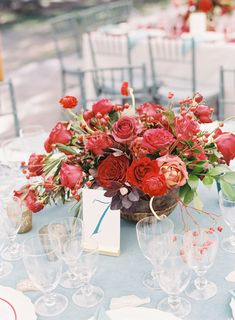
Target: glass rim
(153, 217)
(39, 254)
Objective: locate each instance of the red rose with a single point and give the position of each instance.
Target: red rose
(68, 102)
(148, 111)
(59, 134)
(70, 175)
(124, 130)
(137, 148)
(112, 169)
(205, 5)
(124, 89)
(185, 127)
(157, 139)
(32, 202)
(103, 106)
(35, 164)
(154, 185)
(97, 142)
(138, 170)
(203, 113)
(226, 145)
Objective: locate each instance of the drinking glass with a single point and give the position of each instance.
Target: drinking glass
(201, 247)
(154, 238)
(43, 263)
(5, 267)
(173, 278)
(12, 210)
(228, 212)
(65, 229)
(84, 267)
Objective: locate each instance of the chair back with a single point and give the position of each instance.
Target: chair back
(106, 83)
(172, 63)
(226, 93)
(10, 125)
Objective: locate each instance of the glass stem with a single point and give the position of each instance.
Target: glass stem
(200, 282)
(232, 239)
(49, 299)
(86, 288)
(12, 246)
(174, 301)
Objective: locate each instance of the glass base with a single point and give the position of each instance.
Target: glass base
(205, 293)
(5, 269)
(13, 255)
(83, 300)
(181, 310)
(228, 245)
(150, 281)
(59, 304)
(69, 281)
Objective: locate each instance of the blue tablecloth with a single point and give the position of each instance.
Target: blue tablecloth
(123, 275)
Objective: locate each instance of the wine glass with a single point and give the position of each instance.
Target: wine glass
(31, 130)
(228, 212)
(12, 211)
(43, 263)
(84, 267)
(65, 229)
(154, 238)
(201, 247)
(173, 278)
(5, 267)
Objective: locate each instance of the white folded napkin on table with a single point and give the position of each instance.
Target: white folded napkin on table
(101, 315)
(128, 301)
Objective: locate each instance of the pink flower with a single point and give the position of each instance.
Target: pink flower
(157, 139)
(124, 130)
(97, 142)
(174, 170)
(203, 113)
(59, 134)
(150, 111)
(137, 148)
(226, 145)
(103, 106)
(185, 127)
(35, 164)
(70, 175)
(32, 202)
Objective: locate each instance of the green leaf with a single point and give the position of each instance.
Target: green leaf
(198, 204)
(208, 180)
(218, 170)
(193, 182)
(188, 196)
(183, 190)
(213, 158)
(196, 151)
(227, 189)
(229, 177)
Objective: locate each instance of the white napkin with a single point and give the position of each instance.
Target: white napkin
(128, 301)
(230, 277)
(232, 306)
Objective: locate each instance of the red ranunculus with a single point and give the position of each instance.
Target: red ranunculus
(35, 164)
(70, 175)
(59, 134)
(112, 169)
(103, 106)
(157, 139)
(185, 127)
(226, 145)
(138, 170)
(97, 142)
(203, 113)
(124, 130)
(32, 202)
(68, 102)
(154, 185)
(205, 5)
(124, 89)
(137, 148)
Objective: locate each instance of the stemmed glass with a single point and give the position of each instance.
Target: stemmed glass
(84, 267)
(154, 238)
(65, 229)
(12, 210)
(173, 278)
(43, 263)
(228, 211)
(201, 247)
(5, 267)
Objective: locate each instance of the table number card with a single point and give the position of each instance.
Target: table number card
(100, 222)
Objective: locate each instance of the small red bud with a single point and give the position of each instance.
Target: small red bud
(198, 97)
(220, 228)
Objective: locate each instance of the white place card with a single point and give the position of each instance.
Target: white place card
(100, 222)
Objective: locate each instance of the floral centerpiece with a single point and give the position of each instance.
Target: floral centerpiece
(211, 7)
(136, 154)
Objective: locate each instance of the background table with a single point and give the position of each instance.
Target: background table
(123, 275)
